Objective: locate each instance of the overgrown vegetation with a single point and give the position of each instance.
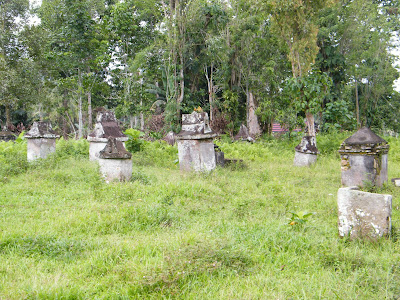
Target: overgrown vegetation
(65, 233)
(150, 61)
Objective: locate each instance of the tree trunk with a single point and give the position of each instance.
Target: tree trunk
(136, 119)
(357, 107)
(65, 121)
(210, 87)
(252, 119)
(310, 123)
(90, 113)
(141, 116)
(8, 116)
(80, 116)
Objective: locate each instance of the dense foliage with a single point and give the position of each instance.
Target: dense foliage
(239, 60)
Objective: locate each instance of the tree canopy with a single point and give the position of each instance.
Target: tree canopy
(244, 62)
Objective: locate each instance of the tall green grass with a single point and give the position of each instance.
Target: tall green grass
(65, 233)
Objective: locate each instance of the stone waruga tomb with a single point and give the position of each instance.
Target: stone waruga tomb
(306, 152)
(41, 140)
(364, 159)
(115, 162)
(363, 215)
(195, 143)
(105, 128)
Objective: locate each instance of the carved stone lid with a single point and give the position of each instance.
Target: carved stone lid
(364, 136)
(41, 130)
(106, 127)
(114, 150)
(196, 126)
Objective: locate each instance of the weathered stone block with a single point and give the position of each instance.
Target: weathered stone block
(195, 143)
(196, 155)
(116, 169)
(220, 158)
(304, 159)
(362, 214)
(40, 148)
(396, 181)
(41, 141)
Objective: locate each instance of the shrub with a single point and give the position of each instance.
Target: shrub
(135, 143)
(72, 148)
(13, 159)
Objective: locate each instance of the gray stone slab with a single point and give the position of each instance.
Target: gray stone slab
(196, 155)
(362, 214)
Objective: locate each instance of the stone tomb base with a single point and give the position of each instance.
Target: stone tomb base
(362, 169)
(40, 148)
(362, 214)
(116, 169)
(196, 155)
(95, 148)
(304, 159)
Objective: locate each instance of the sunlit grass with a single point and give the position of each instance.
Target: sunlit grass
(65, 233)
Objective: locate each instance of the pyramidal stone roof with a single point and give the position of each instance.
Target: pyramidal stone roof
(106, 127)
(364, 136)
(41, 130)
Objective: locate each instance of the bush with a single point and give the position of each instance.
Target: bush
(72, 148)
(157, 153)
(13, 159)
(135, 143)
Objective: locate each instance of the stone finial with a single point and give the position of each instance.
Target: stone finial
(362, 214)
(114, 150)
(41, 130)
(106, 127)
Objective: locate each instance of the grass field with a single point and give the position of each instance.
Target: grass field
(66, 234)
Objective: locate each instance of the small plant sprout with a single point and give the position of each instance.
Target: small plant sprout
(299, 218)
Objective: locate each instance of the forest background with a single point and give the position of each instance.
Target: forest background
(242, 61)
